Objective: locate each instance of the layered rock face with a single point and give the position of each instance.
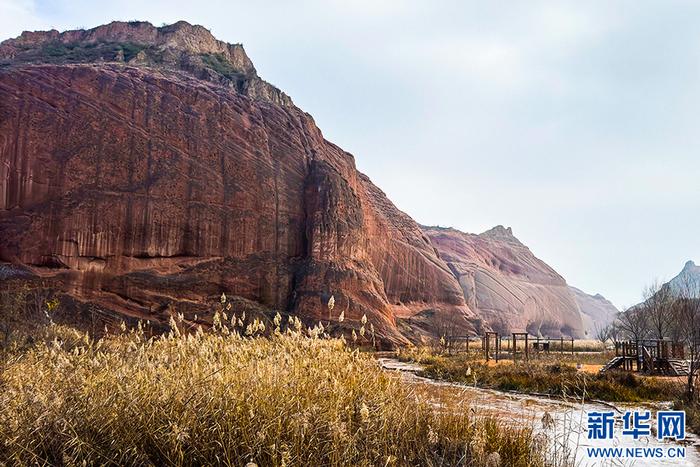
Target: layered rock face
(687, 282)
(145, 170)
(511, 289)
(596, 311)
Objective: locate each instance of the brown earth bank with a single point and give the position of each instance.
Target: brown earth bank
(145, 170)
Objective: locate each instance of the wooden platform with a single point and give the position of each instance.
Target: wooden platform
(614, 363)
(667, 367)
(679, 367)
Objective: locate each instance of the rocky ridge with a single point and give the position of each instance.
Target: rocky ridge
(179, 46)
(146, 170)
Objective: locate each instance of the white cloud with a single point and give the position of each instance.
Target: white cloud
(491, 62)
(565, 23)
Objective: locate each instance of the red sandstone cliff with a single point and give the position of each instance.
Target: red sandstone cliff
(512, 290)
(144, 169)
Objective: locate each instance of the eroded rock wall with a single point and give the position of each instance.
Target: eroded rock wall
(506, 285)
(139, 187)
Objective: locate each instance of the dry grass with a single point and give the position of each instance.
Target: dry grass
(293, 398)
(544, 376)
(692, 412)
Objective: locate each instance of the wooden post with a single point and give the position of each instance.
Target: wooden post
(633, 356)
(527, 351)
(498, 346)
(628, 352)
(622, 350)
(572, 346)
(513, 346)
(633, 359)
(561, 345)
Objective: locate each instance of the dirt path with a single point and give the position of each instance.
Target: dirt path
(562, 422)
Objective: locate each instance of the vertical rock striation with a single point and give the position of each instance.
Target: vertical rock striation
(147, 169)
(143, 168)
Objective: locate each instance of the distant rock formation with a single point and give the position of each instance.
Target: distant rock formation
(685, 285)
(513, 290)
(596, 311)
(687, 281)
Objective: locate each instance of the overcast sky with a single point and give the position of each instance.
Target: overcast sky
(575, 123)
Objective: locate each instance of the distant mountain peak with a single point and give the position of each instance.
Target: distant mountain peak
(498, 232)
(688, 277)
(501, 233)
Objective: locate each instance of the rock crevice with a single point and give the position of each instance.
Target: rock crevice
(158, 184)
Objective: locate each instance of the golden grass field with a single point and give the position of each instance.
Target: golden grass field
(296, 397)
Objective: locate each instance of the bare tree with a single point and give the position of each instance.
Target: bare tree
(686, 325)
(602, 333)
(633, 323)
(615, 333)
(658, 308)
(447, 326)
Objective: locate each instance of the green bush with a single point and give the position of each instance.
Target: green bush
(221, 65)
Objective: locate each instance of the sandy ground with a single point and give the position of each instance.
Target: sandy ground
(587, 367)
(591, 368)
